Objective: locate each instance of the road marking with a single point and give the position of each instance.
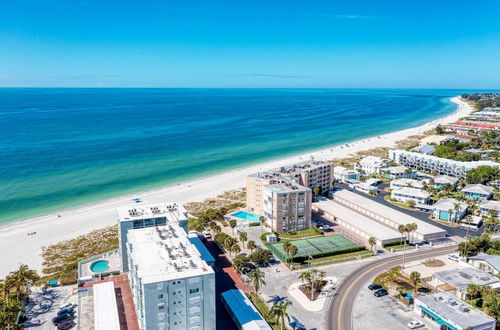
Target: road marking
(339, 326)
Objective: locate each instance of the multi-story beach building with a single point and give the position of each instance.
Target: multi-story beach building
(309, 174)
(343, 174)
(173, 287)
(435, 164)
(142, 216)
(287, 206)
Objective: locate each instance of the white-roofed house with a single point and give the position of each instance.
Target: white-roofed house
(371, 164)
(487, 206)
(395, 172)
(449, 209)
(406, 194)
(477, 192)
(402, 183)
(487, 262)
(344, 174)
(441, 180)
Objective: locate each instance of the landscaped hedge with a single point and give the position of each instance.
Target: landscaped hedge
(393, 243)
(254, 224)
(301, 259)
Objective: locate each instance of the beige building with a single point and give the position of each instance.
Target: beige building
(287, 206)
(290, 183)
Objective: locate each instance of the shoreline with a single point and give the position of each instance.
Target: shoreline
(76, 221)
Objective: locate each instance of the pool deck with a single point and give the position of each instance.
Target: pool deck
(255, 217)
(113, 258)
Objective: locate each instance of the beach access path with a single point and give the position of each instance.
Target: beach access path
(19, 248)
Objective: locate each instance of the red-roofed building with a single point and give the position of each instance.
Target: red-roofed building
(464, 127)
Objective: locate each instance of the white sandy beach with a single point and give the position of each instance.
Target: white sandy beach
(19, 248)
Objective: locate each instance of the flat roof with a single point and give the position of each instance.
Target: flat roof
(358, 220)
(393, 215)
(243, 310)
(105, 308)
(204, 253)
(460, 278)
(172, 211)
(449, 307)
(164, 253)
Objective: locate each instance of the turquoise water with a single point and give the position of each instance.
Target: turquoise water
(100, 266)
(246, 216)
(61, 148)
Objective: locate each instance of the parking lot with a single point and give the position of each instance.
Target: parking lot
(385, 312)
(44, 305)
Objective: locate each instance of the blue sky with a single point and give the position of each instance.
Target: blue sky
(170, 43)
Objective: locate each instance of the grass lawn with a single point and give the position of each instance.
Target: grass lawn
(446, 223)
(302, 233)
(400, 247)
(398, 204)
(263, 309)
(335, 259)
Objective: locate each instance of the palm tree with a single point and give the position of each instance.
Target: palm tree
(217, 229)
(279, 311)
(251, 245)
(456, 208)
(286, 248)
(492, 305)
(243, 238)
(257, 279)
(401, 229)
(235, 248)
(293, 251)
(473, 291)
(232, 224)
(372, 241)
(23, 278)
(262, 222)
(415, 279)
(413, 228)
(316, 192)
(212, 226)
(450, 211)
(305, 276)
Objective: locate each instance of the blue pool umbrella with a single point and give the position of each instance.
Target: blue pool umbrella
(296, 324)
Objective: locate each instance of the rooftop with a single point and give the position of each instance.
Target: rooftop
(243, 310)
(450, 307)
(446, 204)
(172, 211)
(290, 171)
(460, 278)
(493, 260)
(396, 169)
(442, 179)
(425, 149)
(490, 205)
(359, 221)
(164, 253)
(105, 308)
(372, 161)
(395, 216)
(285, 187)
(344, 170)
(407, 182)
(478, 189)
(413, 192)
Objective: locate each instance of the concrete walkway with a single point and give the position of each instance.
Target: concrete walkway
(315, 305)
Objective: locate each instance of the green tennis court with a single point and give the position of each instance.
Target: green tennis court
(313, 246)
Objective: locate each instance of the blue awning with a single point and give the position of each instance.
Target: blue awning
(438, 318)
(204, 253)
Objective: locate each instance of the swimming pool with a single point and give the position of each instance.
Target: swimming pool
(246, 216)
(100, 266)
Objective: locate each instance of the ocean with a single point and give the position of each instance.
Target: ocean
(61, 148)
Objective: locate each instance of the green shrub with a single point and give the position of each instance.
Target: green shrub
(254, 224)
(392, 243)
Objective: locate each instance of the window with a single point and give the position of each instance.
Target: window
(192, 291)
(160, 296)
(161, 306)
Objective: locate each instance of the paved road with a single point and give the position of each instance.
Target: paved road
(340, 306)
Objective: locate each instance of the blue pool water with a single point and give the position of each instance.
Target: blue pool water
(246, 216)
(66, 147)
(100, 266)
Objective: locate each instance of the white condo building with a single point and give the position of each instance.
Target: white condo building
(173, 287)
(436, 164)
(371, 164)
(143, 216)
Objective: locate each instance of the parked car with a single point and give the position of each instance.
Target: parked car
(63, 317)
(68, 305)
(423, 290)
(454, 257)
(207, 234)
(415, 324)
(380, 293)
(66, 311)
(374, 286)
(68, 324)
